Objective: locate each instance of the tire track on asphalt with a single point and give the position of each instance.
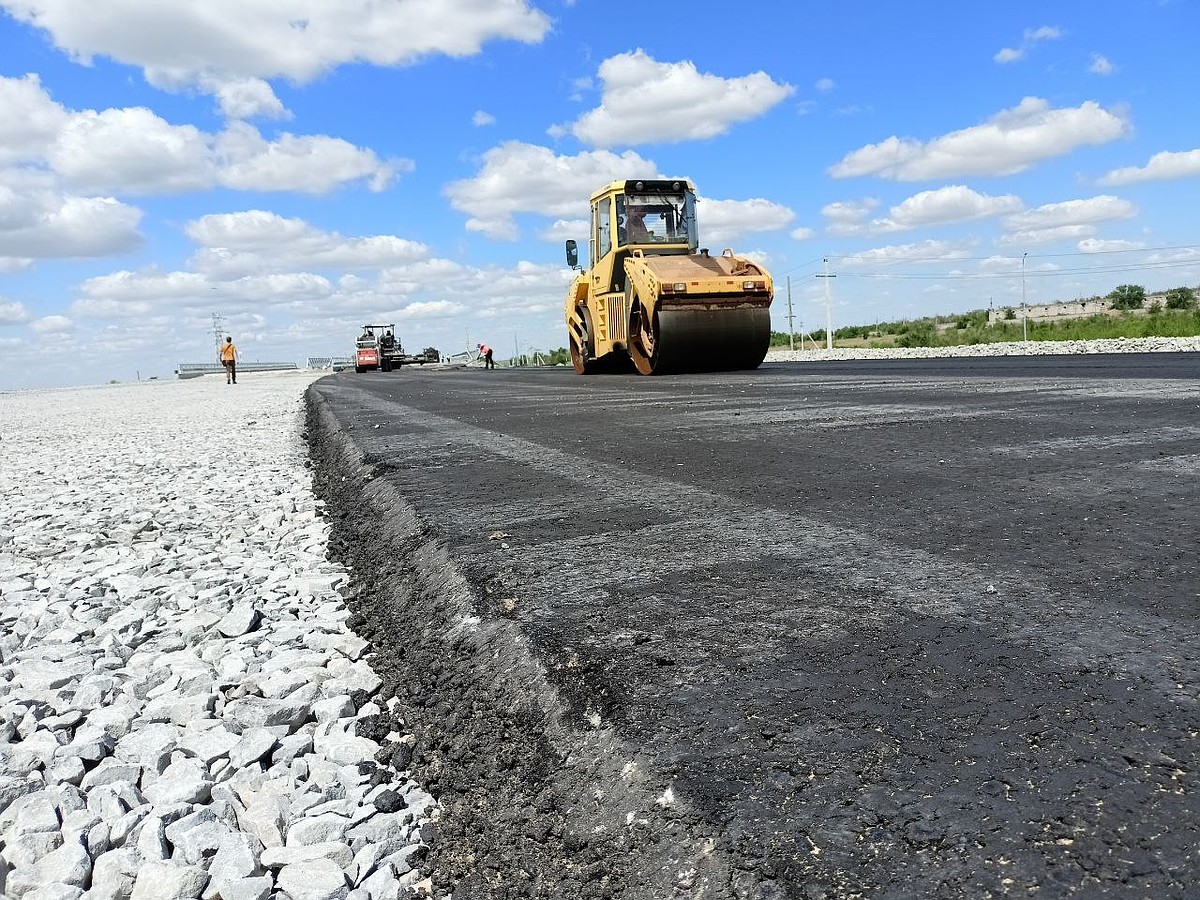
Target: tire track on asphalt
(1070, 630)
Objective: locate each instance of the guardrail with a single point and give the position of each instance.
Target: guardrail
(195, 370)
(329, 362)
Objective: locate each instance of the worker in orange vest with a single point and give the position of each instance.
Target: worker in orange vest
(486, 352)
(229, 360)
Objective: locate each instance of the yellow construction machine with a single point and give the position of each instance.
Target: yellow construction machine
(653, 296)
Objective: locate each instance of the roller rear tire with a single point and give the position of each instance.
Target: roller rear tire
(580, 353)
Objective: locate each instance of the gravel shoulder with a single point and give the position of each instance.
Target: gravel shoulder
(1000, 348)
(184, 711)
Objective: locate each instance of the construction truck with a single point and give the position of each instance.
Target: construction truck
(652, 296)
(378, 348)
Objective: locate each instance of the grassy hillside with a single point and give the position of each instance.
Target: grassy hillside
(973, 328)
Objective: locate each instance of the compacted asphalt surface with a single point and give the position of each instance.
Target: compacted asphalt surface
(912, 628)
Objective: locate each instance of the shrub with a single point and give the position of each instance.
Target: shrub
(1180, 298)
(1128, 296)
(917, 334)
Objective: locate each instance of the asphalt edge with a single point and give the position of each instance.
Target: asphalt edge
(534, 802)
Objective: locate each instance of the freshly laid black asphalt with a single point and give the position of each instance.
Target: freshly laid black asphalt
(880, 629)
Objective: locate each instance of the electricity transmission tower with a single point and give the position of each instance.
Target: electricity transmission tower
(217, 331)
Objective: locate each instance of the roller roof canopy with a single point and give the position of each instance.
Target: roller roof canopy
(645, 186)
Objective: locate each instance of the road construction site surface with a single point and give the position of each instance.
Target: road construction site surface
(876, 629)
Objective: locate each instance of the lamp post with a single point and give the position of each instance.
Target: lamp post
(1024, 314)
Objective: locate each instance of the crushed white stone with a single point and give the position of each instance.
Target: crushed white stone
(179, 691)
(1003, 348)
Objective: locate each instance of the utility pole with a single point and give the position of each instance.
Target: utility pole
(1024, 314)
(516, 351)
(791, 330)
(828, 307)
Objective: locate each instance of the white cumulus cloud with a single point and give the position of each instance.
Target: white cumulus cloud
(1093, 210)
(245, 98)
(846, 217)
(954, 203)
(233, 245)
(1030, 37)
(1045, 33)
(311, 164)
(1165, 166)
(1095, 245)
(930, 251)
(52, 325)
(12, 312)
(127, 294)
(944, 206)
(646, 101)
(38, 221)
(724, 221)
(31, 119)
(431, 309)
(1011, 141)
(132, 151)
(135, 151)
(525, 178)
(1040, 237)
(564, 229)
(1070, 220)
(208, 44)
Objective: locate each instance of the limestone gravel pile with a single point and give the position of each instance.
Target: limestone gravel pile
(183, 710)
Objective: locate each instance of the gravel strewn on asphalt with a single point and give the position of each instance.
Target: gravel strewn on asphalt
(1010, 348)
(183, 709)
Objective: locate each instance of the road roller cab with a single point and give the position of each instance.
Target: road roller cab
(652, 296)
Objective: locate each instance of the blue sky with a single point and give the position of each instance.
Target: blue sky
(421, 161)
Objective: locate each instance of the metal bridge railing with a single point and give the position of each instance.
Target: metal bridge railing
(195, 370)
(328, 362)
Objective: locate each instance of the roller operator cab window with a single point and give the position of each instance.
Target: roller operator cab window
(656, 219)
(604, 228)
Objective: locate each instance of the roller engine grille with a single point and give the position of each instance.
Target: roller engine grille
(618, 319)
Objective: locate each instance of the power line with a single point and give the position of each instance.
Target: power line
(1057, 273)
(859, 258)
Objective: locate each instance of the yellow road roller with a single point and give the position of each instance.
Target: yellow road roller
(652, 296)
